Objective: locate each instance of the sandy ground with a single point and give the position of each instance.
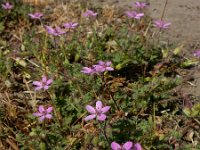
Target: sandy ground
(185, 29)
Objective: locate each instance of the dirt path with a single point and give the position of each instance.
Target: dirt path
(185, 29)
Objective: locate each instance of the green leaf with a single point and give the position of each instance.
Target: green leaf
(165, 53)
(187, 111)
(42, 146)
(177, 50)
(189, 63)
(1, 26)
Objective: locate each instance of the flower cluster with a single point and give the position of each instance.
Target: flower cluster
(98, 68)
(43, 113)
(99, 111)
(43, 84)
(138, 15)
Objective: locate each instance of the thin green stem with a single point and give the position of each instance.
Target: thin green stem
(154, 116)
(103, 131)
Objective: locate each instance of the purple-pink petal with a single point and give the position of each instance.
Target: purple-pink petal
(41, 118)
(31, 15)
(99, 105)
(99, 68)
(70, 25)
(196, 53)
(101, 117)
(87, 70)
(59, 31)
(90, 109)
(49, 116)
(161, 24)
(128, 145)
(137, 146)
(41, 109)
(108, 63)
(115, 146)
(89, 13)
(166, 25)
(134, 14)
(37, 83)
(105, 109)
(49, 29)
(36, 15)
(46, 87)
(140, 5)
(90, 117)
(49, 109)
(44, 79)
(37, 114)
(109, 69)
(140, 14)
(38, 88)
(101, 63)
(49, 81)
(74, 24)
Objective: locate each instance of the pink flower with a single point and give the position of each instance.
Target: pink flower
(137, 146)
(89, 13)
(161, 24)
(103, 66)
(197, 53)
(43, 113)
(140, 5)
(97, 112)
(134, 14)
(7, 6)
(43, 84)
(70, 25)
(36, 15)
(127, 146)
(54, 31)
